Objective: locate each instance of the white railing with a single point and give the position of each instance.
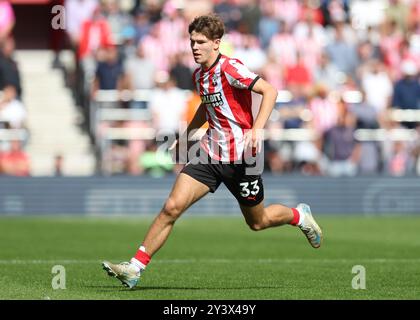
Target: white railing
(119, 114)
(13, 134)
(292, 135)
(111, 113)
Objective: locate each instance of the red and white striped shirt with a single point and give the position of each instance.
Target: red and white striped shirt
(228, 106)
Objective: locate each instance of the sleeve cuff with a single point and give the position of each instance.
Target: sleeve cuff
(253, 82)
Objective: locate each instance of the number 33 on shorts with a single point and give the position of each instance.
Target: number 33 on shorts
(249, 188)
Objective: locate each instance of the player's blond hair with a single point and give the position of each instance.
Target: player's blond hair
(209, 25)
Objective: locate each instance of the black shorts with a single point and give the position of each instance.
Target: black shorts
(247, 189)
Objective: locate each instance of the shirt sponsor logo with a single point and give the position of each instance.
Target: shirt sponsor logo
(212, 100)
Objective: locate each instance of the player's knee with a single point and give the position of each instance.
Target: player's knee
(255, 226)
(172, 209)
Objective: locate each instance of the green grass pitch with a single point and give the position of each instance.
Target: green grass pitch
(211, 258)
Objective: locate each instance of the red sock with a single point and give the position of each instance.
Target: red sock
(296, 217)
(141, 259)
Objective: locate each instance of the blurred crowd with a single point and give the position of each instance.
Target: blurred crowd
(340, 66)
(13, 159)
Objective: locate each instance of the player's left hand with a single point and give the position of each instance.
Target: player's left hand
(254, 139)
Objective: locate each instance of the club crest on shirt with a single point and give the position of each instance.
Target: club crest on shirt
(212, 100)
(214, 79)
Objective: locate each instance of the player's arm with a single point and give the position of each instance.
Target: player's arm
(197, 122)
(269, 97)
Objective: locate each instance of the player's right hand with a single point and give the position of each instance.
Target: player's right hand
(173, 145)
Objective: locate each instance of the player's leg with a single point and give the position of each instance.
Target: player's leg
(259, 217)
(249, 191)
(185, 192)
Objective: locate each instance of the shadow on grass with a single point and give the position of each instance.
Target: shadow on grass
(151, 288)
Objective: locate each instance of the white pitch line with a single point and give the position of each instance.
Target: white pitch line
(222, 261)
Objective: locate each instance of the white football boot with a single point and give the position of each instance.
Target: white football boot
(126, 272)
(309, 226)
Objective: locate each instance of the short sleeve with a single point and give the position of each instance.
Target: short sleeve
(239, 76)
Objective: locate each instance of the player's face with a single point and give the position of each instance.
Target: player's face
(204, 50)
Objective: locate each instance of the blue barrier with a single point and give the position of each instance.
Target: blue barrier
(145, 195)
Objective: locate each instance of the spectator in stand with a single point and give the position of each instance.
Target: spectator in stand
(407, 90)
(335, 10)
(298, 75)
(172, 23)
(9, 71)
(311, 50)
(367, 118)
(128, 47)
(280, 154)
(415, 150)
(154, 162)
(327, 73)
(413, 23)
(117, 19)
(366, 51)
(410, 50)
(58, 165)
(142, 25)
(309, 28)
(366, 114)
(283, 46)
(116, 158)
(324, 110)
(168, 105)
(15, 162)
(311, 7)
(181, 73)
(95, 34)
(268, 25)
(400, 161)
(109, 73)
(7, 20)
(290, 111)
(306, 154)
(398, 11)
(251, 16)
(376, 83)
(140, 74)
(12, 111)
(251, 53)
(390, 43)
(154, 50)
(340, 146)
(229, 12)
(342, 53)
(272, 72)
(77, 12)
(286, 10)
